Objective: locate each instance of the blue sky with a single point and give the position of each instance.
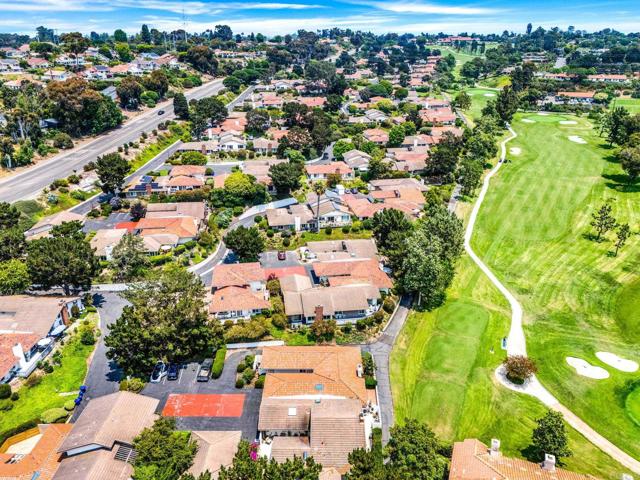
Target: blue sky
(271, 17)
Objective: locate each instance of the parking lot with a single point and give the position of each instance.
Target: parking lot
(212, 399)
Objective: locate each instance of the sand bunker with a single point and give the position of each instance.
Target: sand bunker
(615, 361)
(489, 94)
(568, 122)
(585, 369)
(577, 139)
(528, 120)
(515, 151)
(543, 113)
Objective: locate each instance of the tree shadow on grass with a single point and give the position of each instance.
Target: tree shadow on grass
(621, 183)
(612, 158)
(622, 391)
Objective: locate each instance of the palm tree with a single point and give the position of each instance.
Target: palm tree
(319, 188)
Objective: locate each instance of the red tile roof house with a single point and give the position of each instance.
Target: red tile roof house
(239, 291)
(321, 172)
(29, 327)
(574, 98)
(337, 273)
(376, 135)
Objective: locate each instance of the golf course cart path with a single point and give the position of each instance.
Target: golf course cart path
(516, 342)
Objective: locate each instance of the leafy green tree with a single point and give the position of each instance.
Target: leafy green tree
(12, 243)
(323, 329)
(248, 466)
(124, 52)
(630, 161)
(246, 243)
(386, 222)
(445, 156)
(603, 221)
(61, 261)
(112, 169)
(202, 59)
(550, 437)
(129, 259)
(14, 277)
(469, 175)
(622, 234)
(396, 136)
(507, 104)
(145, 35)
(341, 147)
(211, 109)
(413, 453)
(120, 36)
(232, 83)
(286, 176)
(365, 465)
(223, 32)
(156, 81)
(319, 188)
(162, 452)
(258, 121)
(615, 125)
(462, 101)
(9, 215)
(193, 158)
(129, 91)
(74, 43)
(167, 319)
(180, 106)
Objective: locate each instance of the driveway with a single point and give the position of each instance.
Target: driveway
(270, 259)
(381, 351)
(91, 225)
(104, 375)
(186, 383)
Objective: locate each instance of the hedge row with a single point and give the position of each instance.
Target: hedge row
(218, 362)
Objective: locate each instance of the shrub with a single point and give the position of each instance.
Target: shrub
(69, 405)
(519, 368)
(328, 230)
(241, 367)
(15, 396)
(87, 337)
(6, 405)
(62, 140)
(237, 211)
(347, 328)
(23, 427)
(218, 362)
(257, 218)
(370, 383)
(73, 178)
(346, 229)
(378, 317)
(362, 324)
(270, 233)
(239, 382)
(33, 380)
(279, 321)
(5, 391)
(249, 359)
(260, 381)
(388, 305)
(54, 415)
(132, 385)
(286, 242)
(248, 375)
(190, 244)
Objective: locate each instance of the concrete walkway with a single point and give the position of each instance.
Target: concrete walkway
(516, 342)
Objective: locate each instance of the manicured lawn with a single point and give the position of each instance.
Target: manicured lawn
(479, 99)
(495, 82)
(577, 298)
(66, 378)
(631, 104)
(151, 150)
(461, 57)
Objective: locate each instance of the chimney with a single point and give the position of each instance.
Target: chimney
(203, 149)
(495, 447)
(18, 352)
(415, 142)
(359, 371)
(549, 463)
(319, 312)
(64, 312)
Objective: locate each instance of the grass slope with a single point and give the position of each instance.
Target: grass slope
(533, 232)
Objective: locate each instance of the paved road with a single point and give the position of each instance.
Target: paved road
(103, 376)
(381, 351)
(29, 183)
(516, 341)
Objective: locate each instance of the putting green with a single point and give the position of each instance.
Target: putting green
(628, 309)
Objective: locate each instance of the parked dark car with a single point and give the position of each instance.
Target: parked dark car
(205, 370)
(173, 371)
(159, 371)
(160, 112)
(282, 255)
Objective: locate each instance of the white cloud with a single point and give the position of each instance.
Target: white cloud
(429, 8)
(54, 6)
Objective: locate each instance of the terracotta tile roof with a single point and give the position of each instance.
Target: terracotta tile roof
(185, 181)
(196, 210)
(361, 207)
(334, 372)
(396, 183)
(360, 248)
(183, 227)
(188, 170)
(295, 282)
(285, 271)
(328, 168)
(237, 274)
(42, 460)
(94, 465)
(106, 237)
(577, 94)
(7, 341)
(471, 460)
(228, 299)
(218, 180)
(215, 449)
(347, 298)
(284, 448)
(367, 270)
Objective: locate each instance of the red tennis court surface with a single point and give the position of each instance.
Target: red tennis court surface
(204, 405)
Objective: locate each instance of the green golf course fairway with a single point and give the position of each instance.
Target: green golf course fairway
(633, 405)
(533, 232)
(577, 300)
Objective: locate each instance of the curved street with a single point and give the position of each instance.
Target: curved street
(516, 341)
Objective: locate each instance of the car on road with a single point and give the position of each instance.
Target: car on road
(160, 112)
(173, 371)
(282, 255)
(159, 371)
(205, 370)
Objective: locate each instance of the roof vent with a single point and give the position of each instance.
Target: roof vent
(495, 447)
(292, 411)
(549, 463)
